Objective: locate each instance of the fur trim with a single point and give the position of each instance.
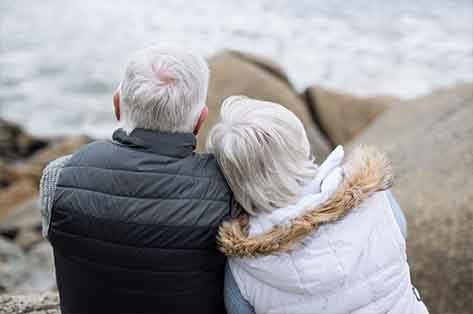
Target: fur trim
(367, 171)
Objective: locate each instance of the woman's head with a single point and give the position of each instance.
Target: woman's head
(263, 151)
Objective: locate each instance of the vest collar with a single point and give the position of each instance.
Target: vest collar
(179, 145)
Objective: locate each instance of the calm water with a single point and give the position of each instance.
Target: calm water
(60, 60)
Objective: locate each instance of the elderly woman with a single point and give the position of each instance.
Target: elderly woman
(312, 239)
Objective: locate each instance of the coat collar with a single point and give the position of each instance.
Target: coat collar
(179, 145)
(325, 183)
(366, 171)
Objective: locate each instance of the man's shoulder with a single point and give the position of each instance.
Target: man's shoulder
(51, 173)
(57, 164)
(95, 147)
(206, 157)
(94, 152)
(209, 164)
(52, 170)
(199, 164)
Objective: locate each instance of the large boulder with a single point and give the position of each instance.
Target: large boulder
(234, 74)
(341, 116)
(15, 143)
(32, 167)
(430, 143)
(264, 63)
(46, 303)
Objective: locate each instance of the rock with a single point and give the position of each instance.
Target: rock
(342, 116)
(232, 74)
(24, 215)
(4, 180)
(15, 143)
(10, 255)
(26, 238)
(46, 303)
(20, 213)
(32, 167)
(22, 272)
(263, 63)
(41, 274)
(430, 143)
(15, 198)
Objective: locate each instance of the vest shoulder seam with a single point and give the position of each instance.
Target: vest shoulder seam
(128, 245)
(157, 225)
(138, 171)
(65, 187)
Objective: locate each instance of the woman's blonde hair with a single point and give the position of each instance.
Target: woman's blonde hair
(263, 151)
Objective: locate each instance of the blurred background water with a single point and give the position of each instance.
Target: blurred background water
(60, 60)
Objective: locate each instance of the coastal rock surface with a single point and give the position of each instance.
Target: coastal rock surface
(26, 270)
(430, 143)
(236, 74)
(15, 196)
(342, 116)
(15, 143)
(32, 167)
(46, 303)
(264, 63)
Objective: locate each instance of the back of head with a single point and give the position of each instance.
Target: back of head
(263, 151)
(164, 89)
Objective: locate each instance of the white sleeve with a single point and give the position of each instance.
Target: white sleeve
(47, 188)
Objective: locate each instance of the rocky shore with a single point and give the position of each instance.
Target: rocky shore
(429, 139)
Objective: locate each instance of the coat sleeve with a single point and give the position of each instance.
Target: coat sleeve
(47, 187)
(235, 303)
(398, 214)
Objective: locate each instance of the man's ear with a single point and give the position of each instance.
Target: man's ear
(203, 116)
(116, 104)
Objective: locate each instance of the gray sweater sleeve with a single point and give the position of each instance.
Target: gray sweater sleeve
(47, 187)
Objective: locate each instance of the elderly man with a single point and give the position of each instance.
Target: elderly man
(133, 221)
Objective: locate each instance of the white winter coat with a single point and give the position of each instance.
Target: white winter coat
(337, 250)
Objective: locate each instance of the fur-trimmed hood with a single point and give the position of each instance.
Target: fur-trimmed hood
(366, 171)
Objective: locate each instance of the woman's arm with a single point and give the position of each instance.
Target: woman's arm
(398, 214)
(234, 301)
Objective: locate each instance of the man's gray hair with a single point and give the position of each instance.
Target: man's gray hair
(164, 90)
(263, 151)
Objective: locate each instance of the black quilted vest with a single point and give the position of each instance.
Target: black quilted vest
(134, 225)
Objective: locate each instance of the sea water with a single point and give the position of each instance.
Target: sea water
(61, 59)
